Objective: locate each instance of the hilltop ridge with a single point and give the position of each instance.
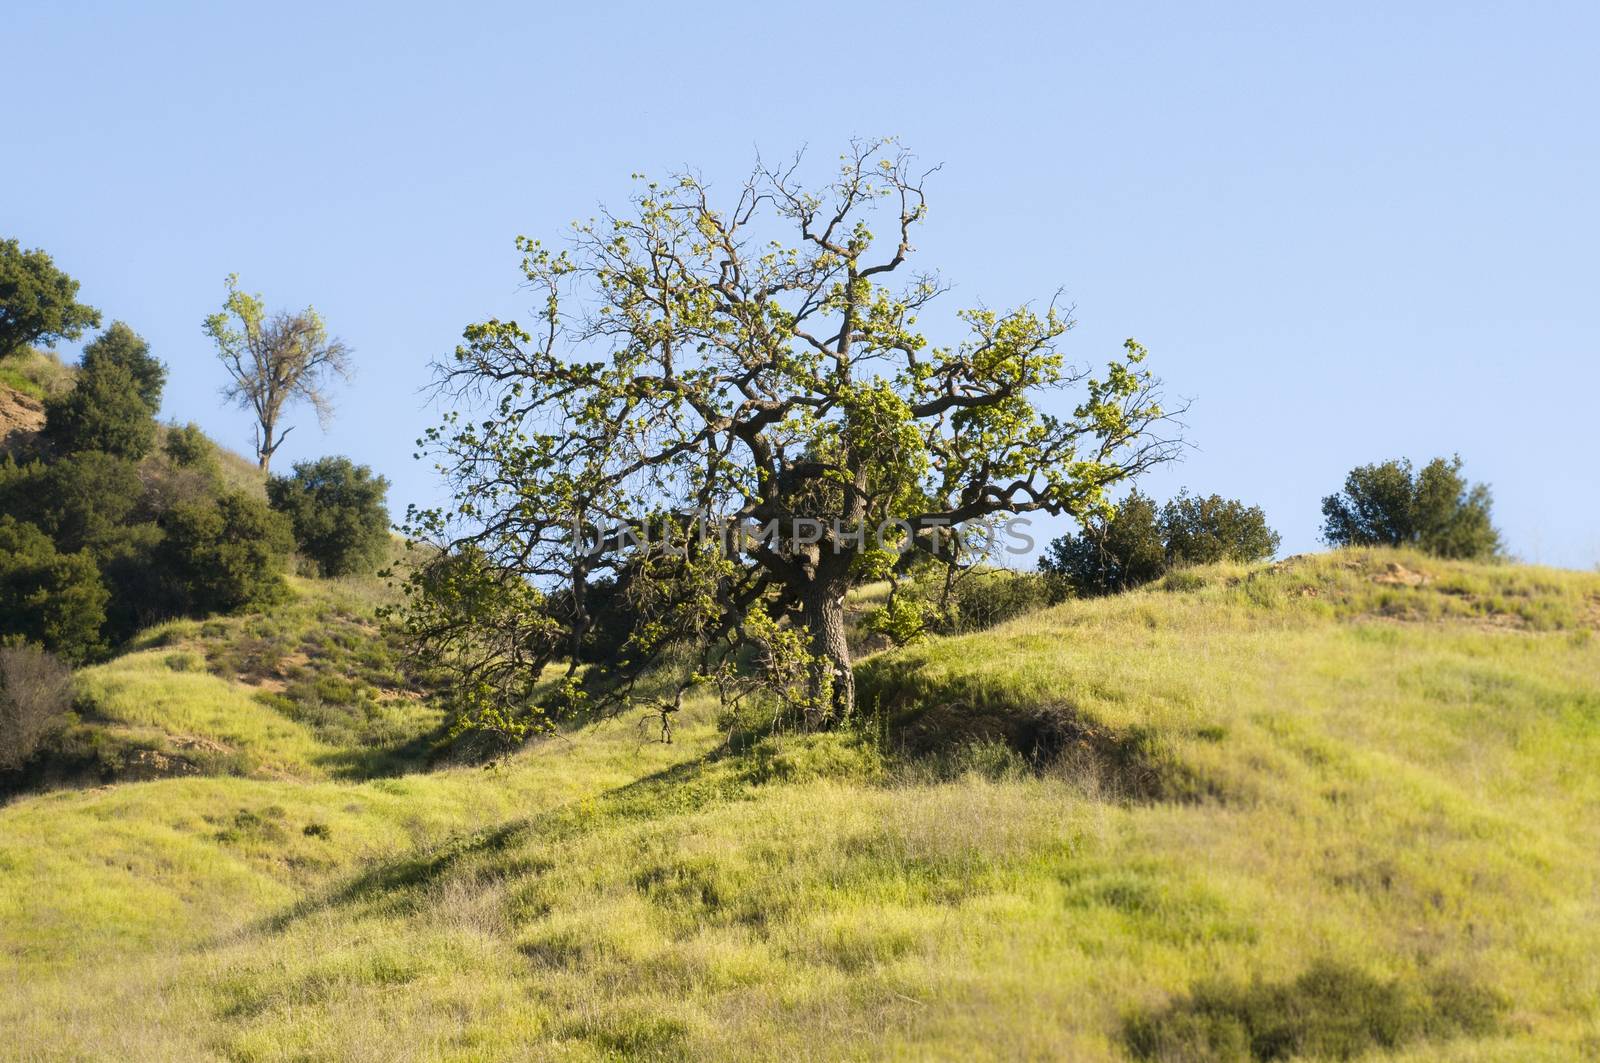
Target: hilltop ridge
(1363, 782)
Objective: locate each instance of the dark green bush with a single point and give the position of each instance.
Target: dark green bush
(1109, 556)
(119, 345)
(54, 599)
(81, 500)
(141, 593)
(983, 598)
(189, 447)
(224, 554)
(1203, 531)
(103, 411)
(337, 512)
(1140, 543)
(1436, 510)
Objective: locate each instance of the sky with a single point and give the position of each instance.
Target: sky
(1347, 232)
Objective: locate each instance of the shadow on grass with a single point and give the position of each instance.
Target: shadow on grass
(1332, 1011)
(404, 883)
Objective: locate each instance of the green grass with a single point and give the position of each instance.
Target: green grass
(1286, 809)
(35, 373)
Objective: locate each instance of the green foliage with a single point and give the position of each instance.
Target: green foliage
(103, 411)
(903, 619)
(1140, 543)
(225, 554)
(38, 303)
(1204, 531)
(120, 345)
(1111, 554)
(986, 597)
(112, 407)
(189, 447)
(779, 385)
(1436, 510)
(972, 599)
(79, 500)
(1332, 1011)
(48, 597)
(337, 511)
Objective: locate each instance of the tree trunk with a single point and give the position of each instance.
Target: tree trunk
(822, 610)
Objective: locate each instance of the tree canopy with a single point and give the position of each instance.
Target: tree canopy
(754, 361)
(1140, 542)
(338, 513)
(38, 302)
(1434, 509)
(120, 345)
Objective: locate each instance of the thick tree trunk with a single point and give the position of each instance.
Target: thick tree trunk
(822, 610)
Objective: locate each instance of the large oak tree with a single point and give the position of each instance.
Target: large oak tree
(754, 360)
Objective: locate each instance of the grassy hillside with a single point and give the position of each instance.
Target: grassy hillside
(1342, 803)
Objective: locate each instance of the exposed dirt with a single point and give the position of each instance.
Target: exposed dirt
(21, 418)
(1398, 575)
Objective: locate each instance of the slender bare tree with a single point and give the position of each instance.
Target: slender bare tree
(275, 361)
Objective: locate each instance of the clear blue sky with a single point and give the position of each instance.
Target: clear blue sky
(1348, 231)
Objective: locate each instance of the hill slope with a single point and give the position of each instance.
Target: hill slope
(1342, 803)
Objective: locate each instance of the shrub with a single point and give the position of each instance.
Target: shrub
(1140, 543)
(82, 499)
(1435, 510)
(39, 374)
(102, 412)
(1203, 531)
(35, 693)
(983, 598)
(1117, 554)
(141, 593)
(121, 346)
(224, 554)
(48, 597)
(189, 447)
(337, 512)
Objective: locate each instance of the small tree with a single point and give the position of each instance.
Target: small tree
(748, 364)
(1435, 510)
(103, 411)
(1203, 531)
(337, 510)
(79, 500)
(1139, 542)
(35, 693)
(1112, 553)
(120, 345)
(224, 554)
(38, 303)
(48, 597)
(274, 362)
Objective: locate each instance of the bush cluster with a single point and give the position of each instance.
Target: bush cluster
(103, 533)
(336, 510)
(1434, 509)
(1141, 542)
